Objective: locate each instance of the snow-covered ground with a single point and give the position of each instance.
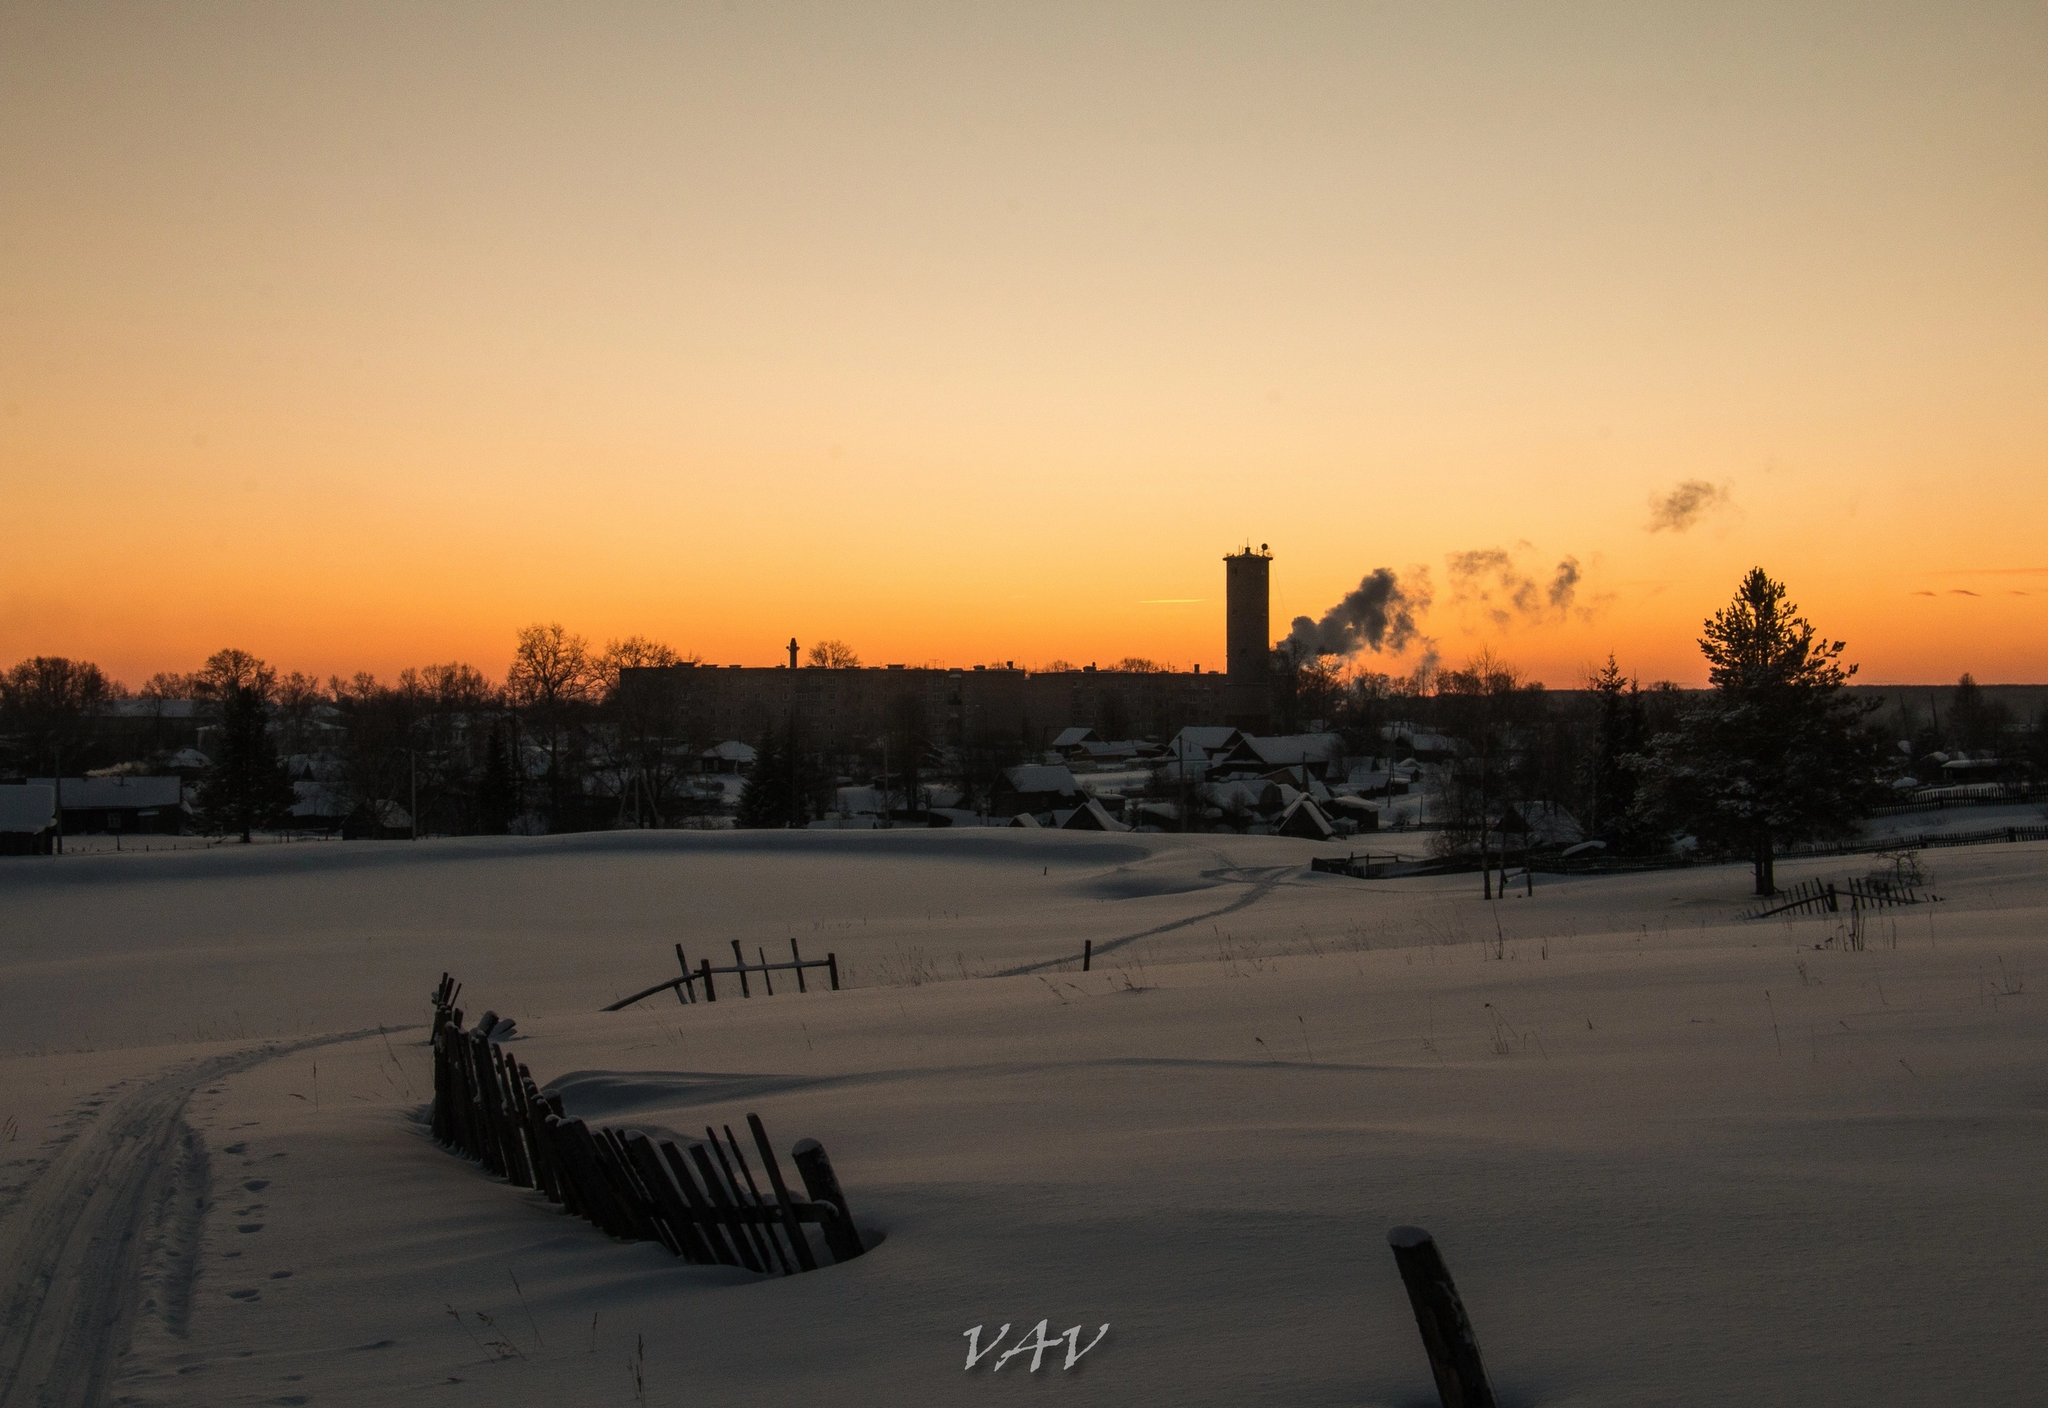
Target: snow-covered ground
(1671, 1157)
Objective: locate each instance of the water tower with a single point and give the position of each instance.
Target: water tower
(1247, 589)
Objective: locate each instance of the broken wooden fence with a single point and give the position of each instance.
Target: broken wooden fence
(1824, 897)
(701, 1202)
(685, 986)
(1358, 867)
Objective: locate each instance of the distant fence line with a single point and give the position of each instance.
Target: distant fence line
(2001, 795)
(685, 986)
(488, 1108)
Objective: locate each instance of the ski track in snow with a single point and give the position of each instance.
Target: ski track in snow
(71, 1250)
(1268, 878)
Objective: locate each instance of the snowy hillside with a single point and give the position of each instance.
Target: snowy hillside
(1671, 1157)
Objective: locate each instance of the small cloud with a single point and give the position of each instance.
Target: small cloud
(1919, 593)
(1686, 505)
(1961, 591)
(2015, 591)
(1490, 580)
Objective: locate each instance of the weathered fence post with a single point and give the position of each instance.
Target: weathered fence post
(798, 1242)
(1087, 953)
(798, 959)
(710, 992)
(739, 961)
(822, 1184)
(832, 967)
(1440, 1315)
(683, 993)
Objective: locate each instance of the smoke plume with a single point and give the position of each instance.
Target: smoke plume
(1379, 616)
(1685, 505)
(1490, 579)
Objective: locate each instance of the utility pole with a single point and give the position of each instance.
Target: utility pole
(412, 763)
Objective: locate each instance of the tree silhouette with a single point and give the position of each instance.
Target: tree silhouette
(245, 787)
(1776, 752)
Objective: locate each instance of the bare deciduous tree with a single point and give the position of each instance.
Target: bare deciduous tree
(832, 655)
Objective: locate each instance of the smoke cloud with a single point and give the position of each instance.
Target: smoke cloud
(1489, 579)
(1379, 616)
(1685, 505)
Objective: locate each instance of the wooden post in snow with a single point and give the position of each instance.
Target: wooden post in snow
(1440, 1316)
(739, 961)
(1087, 953)
(822, 1184)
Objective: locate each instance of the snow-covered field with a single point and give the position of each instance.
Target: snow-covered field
(1671, 1157)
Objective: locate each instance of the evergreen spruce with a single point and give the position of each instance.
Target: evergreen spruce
(1776, 753)
(497, 800)
(1620, 732)
(764, 800)
(246, 789)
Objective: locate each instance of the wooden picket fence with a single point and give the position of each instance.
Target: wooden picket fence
(1824, 897)
(1358, 867)
(685, 987)
(702, 1203)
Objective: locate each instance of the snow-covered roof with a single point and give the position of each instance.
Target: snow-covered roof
(1305, 819)
(1295, 748)
(1041, 777)
(1256, 795)
(1089, 816)
(856, 801)
(1200, 740)
(121, 792)
(27, 807)
(1074, 738)
(730, 751)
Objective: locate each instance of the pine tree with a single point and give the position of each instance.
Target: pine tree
(764, 800)
(1620, 731)
(246, 788)
(1776, 753)
(497, 799)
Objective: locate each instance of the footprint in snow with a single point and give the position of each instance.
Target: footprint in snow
(279, 1275)
(290, 1399)
(236, 1149)
(249, 1227)
(250, 1294)
(256, 1185)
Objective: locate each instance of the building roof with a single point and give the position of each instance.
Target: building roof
(1041, 777)
(1200, 740)
(1306, 820)
(730, 751)
(118, 792)
(1090, 816)
(27, 807)
(1074, 738)
(1293, 749)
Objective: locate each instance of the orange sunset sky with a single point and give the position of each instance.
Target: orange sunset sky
(360, 335)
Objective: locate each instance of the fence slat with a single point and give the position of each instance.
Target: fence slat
(799, 1243)
(758, 1227)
